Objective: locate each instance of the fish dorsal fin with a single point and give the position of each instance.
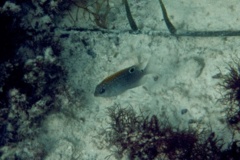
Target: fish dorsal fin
(113, 76)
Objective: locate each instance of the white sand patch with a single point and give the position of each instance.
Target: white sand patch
(183, 70)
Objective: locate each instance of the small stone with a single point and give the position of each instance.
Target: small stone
(183, 111)
(191, 121)
(155, 78)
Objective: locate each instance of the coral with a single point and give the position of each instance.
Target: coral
(142, 138)
(28, 94)
(25, 150)
(30, 78)
(10, 7)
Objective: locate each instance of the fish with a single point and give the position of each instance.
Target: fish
(121, 81)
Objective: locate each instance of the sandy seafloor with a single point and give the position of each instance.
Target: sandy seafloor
(182, 73)
(185, 68)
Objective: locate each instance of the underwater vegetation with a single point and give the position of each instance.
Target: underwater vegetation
(101, 12)
(170, 26)
(101, 9)
(129, 16)
(148, 138)
(231, 91)
(98, 9)
(31, 78)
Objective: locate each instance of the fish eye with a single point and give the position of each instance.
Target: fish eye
(131, 70)
(102, 90)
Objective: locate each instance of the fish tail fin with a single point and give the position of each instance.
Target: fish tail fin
(146, 64)
(149, 67)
